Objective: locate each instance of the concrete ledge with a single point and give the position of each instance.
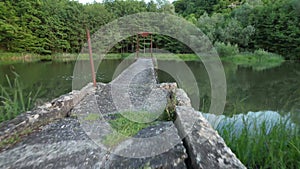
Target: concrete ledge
(56, 109)
(201, 143)
(182, 98)
(205, 147)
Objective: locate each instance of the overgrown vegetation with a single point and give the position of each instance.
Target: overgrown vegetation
(127, 124)
(92, 117)
(12, 99)
(261, 148)
(13, 139)
(170, 111)
(50, 27)
(249, 24)
(13, 57)
(258, 60)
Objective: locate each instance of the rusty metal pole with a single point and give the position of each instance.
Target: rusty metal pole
(137, 47)
(91, 57)
(151, 46)
(144, 45)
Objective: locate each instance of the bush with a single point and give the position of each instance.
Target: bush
(226, 49)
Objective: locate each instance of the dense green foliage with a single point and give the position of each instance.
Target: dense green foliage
(277, 25)
(47, 26)
(272, 25)
(59, 26)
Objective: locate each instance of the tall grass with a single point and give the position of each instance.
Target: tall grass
(258, 60)
(263, 148)
(12, 99)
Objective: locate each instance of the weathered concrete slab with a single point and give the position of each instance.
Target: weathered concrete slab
(137, 71)
(157, 146)
(91, 120)
(137, 84)
(135, 89)
(62, 144)
(205, 147)
(145, 150)
(42, 115)
(182, 98)
(134, 86)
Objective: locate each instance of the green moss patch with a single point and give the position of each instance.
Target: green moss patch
(125, 127)
(14, 138)
(92, 117)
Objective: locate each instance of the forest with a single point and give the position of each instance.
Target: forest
(59, 26)
(258, 42)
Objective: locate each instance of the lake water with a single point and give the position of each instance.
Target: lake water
(276, 89)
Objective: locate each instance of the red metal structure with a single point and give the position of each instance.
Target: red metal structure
(143, 35)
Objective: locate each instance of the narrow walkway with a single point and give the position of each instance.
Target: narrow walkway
(87, 139)
(133, 89)
(72, 142)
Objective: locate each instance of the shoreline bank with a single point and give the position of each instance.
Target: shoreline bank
(257, 62)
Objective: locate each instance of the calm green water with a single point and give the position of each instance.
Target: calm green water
(276, 89)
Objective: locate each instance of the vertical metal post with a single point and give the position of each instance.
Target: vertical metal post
(137, 47)
(144, 45)
(151, 46)
(91, 57)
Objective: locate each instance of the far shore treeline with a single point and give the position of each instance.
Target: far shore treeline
(58, 26)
